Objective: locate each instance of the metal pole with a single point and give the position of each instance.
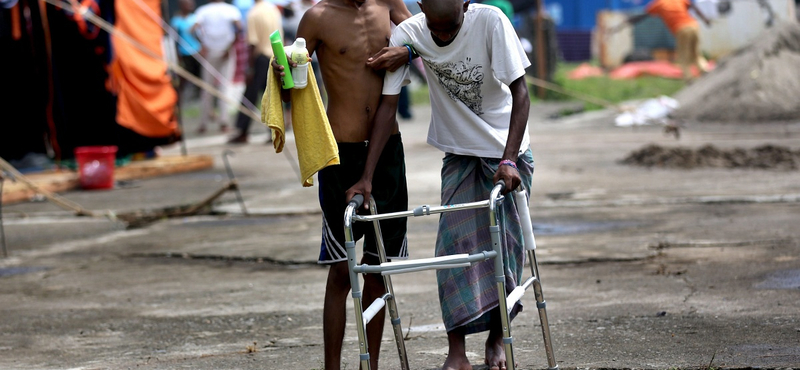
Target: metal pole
(179, 118)
(2, 230)
(522, 203)
(541, 306)
(541, 71)
(355, 286)
(394, 315)
(232, 179)
(500, 277)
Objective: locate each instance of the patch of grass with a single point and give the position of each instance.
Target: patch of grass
(192, 112)
(609, 89)
(419, 95)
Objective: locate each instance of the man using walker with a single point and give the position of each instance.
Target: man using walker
(480, 106)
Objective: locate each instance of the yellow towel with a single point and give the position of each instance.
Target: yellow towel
(316, 146)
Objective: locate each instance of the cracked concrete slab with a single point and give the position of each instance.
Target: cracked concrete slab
(644, 269)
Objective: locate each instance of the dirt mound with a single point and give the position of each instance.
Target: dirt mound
(763, 157)
(758, 83)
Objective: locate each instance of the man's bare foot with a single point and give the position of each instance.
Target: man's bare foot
(495, 352)
(456, 362)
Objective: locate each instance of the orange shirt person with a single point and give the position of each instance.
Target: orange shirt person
(675, 14)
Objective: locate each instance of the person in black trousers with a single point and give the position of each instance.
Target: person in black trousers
(262, 19)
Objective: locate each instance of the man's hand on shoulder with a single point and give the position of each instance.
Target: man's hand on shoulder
(390, 58)
(363, 187)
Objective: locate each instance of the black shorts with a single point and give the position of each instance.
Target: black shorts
(388, 189)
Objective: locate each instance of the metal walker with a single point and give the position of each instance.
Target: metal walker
(363, 317)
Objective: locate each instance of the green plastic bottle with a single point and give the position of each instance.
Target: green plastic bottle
(280, 56)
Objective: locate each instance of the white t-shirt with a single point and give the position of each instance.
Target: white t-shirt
(215, 21)
(467, 79)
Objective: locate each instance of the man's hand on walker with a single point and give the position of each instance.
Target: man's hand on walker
(509, 175)
(363, 187)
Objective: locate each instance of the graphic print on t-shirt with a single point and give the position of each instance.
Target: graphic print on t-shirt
(462, 81)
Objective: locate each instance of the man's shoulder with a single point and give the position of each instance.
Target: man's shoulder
(316, 10)
(415, 22)
(391, 3)
(477, 7)
(200, 10)
(232, 9)
(220, 7)
(486, 11)
(211, 8)
(315, 14)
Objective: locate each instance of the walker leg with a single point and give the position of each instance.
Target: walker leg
(398, 330)
(500, 278)
(355, 286)
(505, 322)
(542, 308)
(530, 245)
(392, 302)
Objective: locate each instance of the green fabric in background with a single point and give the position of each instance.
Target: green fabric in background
(504, 5)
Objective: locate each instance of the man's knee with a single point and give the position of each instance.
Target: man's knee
(338, 276)
(370, 259)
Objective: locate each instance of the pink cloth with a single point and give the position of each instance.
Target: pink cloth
(585, 70)
(660, 68)
(241, 48)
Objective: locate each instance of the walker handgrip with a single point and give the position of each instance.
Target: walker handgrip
(357, 200)
(495, 195)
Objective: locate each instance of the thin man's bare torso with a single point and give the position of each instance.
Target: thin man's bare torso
(344, 35)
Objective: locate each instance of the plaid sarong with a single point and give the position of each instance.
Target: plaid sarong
(468, 294)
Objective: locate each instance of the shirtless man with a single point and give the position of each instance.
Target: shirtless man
(344, 34)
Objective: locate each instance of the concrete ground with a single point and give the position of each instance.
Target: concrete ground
(653, 269)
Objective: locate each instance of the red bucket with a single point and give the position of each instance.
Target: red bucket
(96, 166)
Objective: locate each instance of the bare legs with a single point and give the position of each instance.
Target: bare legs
(335, 315)
(495, 352)
(224, 65)
(457, 352)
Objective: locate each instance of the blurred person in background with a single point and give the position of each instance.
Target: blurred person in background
(188, 46)
(216, 25)
(675, 14)
(241, 46)
(262, 20)
(292, 14)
